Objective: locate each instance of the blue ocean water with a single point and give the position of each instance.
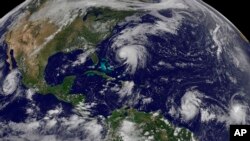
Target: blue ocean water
(191, 64)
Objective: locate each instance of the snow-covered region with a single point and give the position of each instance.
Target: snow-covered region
(190, 105)
(11, 82)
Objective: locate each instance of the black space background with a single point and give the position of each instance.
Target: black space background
(238, 12)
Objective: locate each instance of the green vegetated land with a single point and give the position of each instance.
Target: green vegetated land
(98, 73)
(62, 91)
(87, 31)
(148, 125)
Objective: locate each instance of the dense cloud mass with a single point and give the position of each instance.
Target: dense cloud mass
(178, 57)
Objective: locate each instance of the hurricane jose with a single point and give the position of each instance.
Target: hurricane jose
(121, 70)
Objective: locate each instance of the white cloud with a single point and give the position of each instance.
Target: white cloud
(129, 132)
(81, 59)
(11, 82)
(130, 44)
(217, 39)
(54, 127)
(29, 93)
(190, 104)
(63, 12)
(127, 88)
(134, 56)
(238, 114)
(94, 130)
(147, 100)
(207, 115)
(55, 111)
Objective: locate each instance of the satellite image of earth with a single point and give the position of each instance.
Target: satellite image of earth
(121, 70)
